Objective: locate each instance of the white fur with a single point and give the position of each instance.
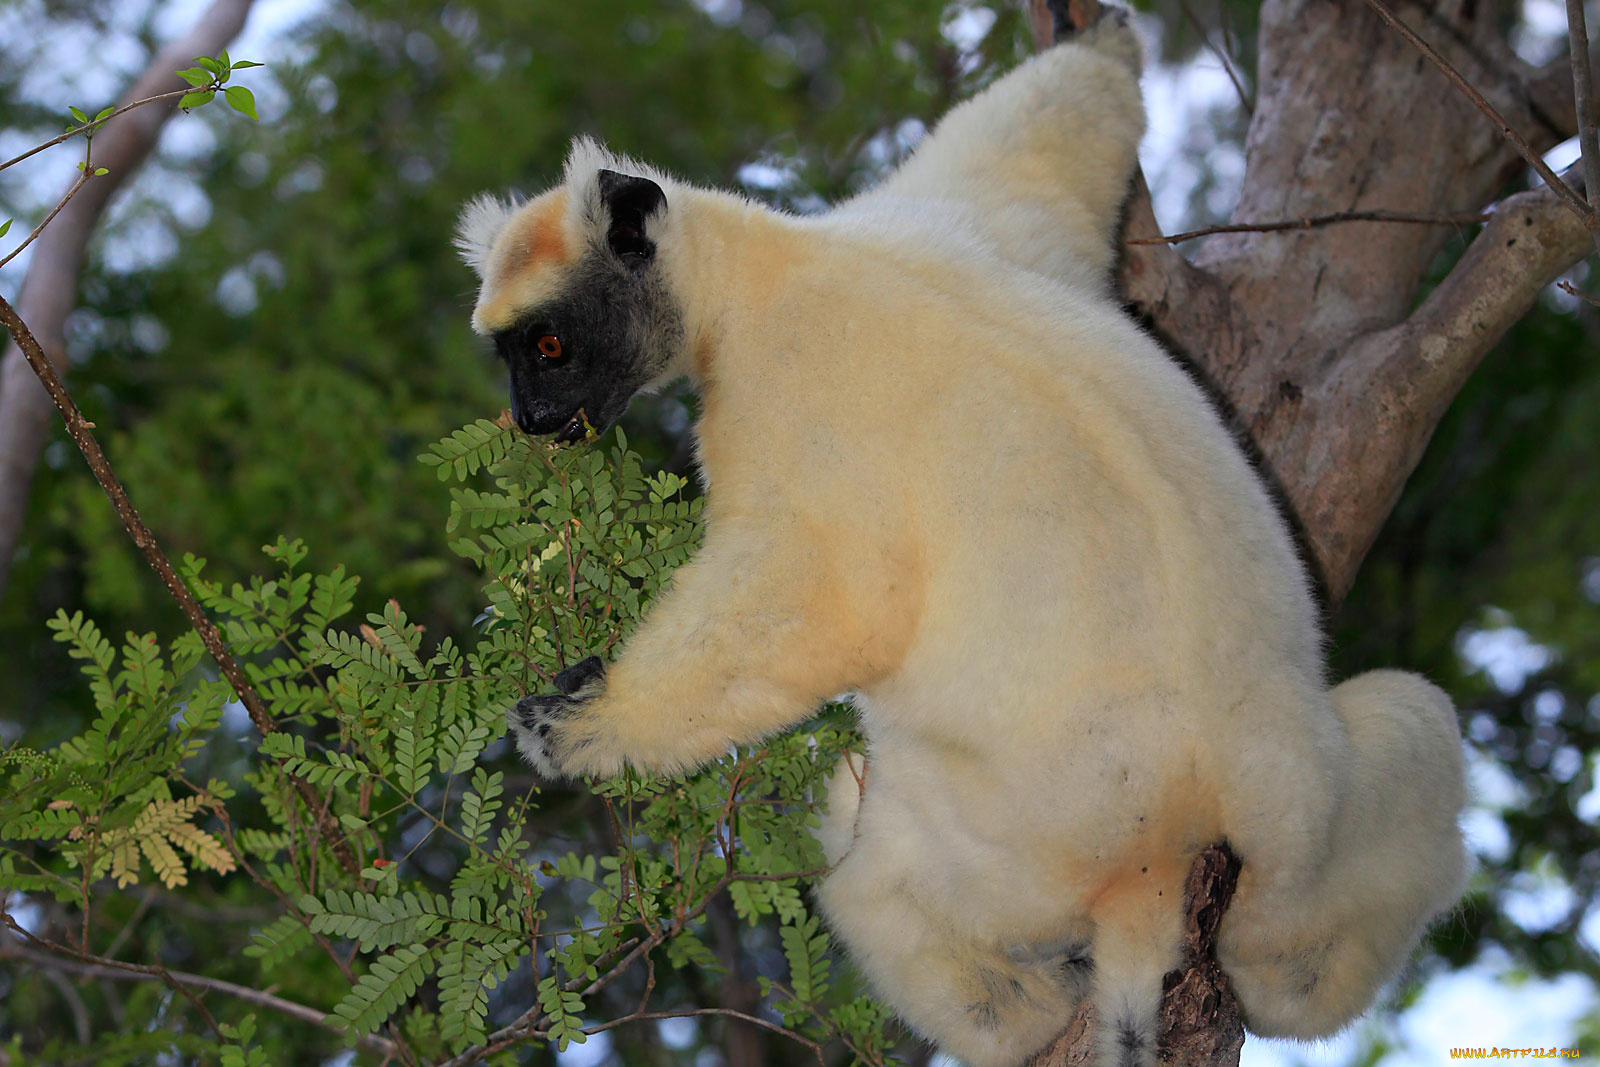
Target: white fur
(481, 220)
(950, 474)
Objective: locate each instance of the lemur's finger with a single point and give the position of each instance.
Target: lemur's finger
(579, 675)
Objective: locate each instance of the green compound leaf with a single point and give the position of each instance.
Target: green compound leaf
(394, 977)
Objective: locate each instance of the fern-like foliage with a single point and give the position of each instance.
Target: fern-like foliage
(398, 734)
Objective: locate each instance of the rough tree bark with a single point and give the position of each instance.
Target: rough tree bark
(50, 290)
(1311, 335)
(1313, 338)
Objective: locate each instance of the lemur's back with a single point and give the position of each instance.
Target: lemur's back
(1064, 461)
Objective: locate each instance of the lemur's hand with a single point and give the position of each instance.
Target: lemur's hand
(543, 724)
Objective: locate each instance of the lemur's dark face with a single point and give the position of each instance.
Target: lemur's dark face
(581, 333)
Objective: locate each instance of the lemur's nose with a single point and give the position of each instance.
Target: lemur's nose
(519, 411)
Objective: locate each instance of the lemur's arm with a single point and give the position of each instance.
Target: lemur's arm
(1041, 159)
(754, 633)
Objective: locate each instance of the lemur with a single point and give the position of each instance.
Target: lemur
(947, 473)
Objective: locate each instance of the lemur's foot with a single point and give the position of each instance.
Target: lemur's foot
(542, 723)
(1111, 34)
(1067, 962)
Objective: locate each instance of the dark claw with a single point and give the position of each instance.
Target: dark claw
(579, 675)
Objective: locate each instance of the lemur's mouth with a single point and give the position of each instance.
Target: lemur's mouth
(574, 429)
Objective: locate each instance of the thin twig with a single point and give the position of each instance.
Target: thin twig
(150, 971)
(525, 1025)
(99, 967)
(89, 126)
(83, 179)
(1314, 221)
(1222, 57)
(754, 1020)
(1583, 92)
(79, 428)
(1572, 290)
(82, 1025)
(1590, 217)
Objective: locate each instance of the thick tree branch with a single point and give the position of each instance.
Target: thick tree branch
(50, 290)
(1365, 425)
(1305, 329)
(1574, 201)
(1348, 124)
(1183, 303)
(1549, 90)
(1529, 242)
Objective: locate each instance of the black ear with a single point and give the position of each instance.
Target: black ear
(630, 200)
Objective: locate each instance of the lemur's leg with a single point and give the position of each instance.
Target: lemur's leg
(1307, 949)
(1039, 162)
(988, 1005)
(754, 633)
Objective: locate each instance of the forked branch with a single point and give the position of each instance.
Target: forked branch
(1581, 207)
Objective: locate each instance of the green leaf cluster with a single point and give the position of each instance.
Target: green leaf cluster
(209, 75)
(402, 740)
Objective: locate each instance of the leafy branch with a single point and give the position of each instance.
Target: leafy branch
(206, 78)
(79, 429)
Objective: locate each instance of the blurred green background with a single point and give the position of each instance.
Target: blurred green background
(273, 326)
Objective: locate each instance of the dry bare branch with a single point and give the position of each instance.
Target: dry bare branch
(1314, 222)
(1576, 202)
(1228, 67)
(63, 959)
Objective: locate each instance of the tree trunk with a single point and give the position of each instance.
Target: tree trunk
(50, 290)
(1309, 335)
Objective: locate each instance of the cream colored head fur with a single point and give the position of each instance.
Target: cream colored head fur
(524, 252)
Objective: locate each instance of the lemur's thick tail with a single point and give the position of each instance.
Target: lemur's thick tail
(1306, 960)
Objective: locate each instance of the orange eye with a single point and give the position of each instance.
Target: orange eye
(550, 346)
